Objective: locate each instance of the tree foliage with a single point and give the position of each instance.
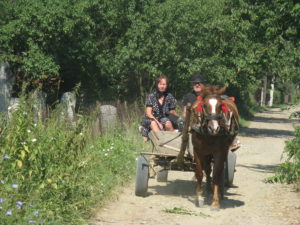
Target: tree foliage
(117, 48)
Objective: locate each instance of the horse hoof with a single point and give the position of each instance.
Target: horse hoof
(199, 201)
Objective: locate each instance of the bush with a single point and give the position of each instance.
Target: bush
(289, 171)
(51, 173)
(277, 97)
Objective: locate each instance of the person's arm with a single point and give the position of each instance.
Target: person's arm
(172, 105)
(173, 111)
(150, 115)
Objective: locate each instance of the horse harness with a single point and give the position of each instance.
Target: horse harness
(204, 116)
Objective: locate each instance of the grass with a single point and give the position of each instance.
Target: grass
(182, 211)
(55, 172)
(243, 122)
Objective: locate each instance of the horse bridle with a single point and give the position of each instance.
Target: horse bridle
(211, 116)
(203, 117)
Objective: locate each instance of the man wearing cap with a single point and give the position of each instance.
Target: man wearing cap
(198, 85)
(197, 82)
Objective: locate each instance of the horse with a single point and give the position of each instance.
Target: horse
(214, 125)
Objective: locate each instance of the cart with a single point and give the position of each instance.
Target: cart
(166, 146)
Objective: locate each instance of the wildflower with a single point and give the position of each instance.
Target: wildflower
(31, 221)
(1, 200)
(19, 204)
(36, 213)
(28, 131)
(6, 157)
(23, 143)
(34, 124)
(14, 186)
(106, 154)
(25, 113)
(33, 139)
(2, 182)
(81, 133)
(9, 212)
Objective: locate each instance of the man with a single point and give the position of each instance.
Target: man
(197, 82)
(198, 85)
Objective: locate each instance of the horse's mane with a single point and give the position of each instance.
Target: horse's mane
(213, 90)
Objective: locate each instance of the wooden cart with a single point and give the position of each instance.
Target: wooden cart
(163, 157)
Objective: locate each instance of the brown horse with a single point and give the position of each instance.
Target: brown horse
(214, 124)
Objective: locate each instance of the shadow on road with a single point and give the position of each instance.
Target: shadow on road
(258, 132)
(231, 203)
(183, 188)
(187, 188)
(272, 120)
(260, 167)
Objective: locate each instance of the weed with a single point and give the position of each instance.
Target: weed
(181, 211)
(289, 171)
(54, 172)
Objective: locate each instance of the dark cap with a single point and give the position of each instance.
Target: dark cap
(197, 78)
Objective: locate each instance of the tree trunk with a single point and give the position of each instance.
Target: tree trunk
(142, 90)
(263, 92)
(270, 103)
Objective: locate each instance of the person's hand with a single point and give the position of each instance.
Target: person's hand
(160, 126)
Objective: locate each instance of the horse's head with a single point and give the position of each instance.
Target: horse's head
(210, 109)
(212, 113)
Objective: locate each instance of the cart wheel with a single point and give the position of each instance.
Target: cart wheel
(142, 175)
(162, 176)
(230, 168)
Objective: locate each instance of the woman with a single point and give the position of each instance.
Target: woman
(159, 105)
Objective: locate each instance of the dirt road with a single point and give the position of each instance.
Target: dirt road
(251, 200)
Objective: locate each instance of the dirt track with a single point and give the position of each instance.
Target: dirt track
(250, 201)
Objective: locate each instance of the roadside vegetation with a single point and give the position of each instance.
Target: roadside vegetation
(55, 172)
(289, 171)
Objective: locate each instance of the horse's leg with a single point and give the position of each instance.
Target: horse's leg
(219, 160)
(199, 176)
(207, 169)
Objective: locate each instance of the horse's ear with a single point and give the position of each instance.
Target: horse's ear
(221, 90)
(208, 90)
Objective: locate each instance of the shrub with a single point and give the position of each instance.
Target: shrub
(55, 173)
(289, 171)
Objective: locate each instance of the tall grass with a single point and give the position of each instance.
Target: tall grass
(54, 172)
